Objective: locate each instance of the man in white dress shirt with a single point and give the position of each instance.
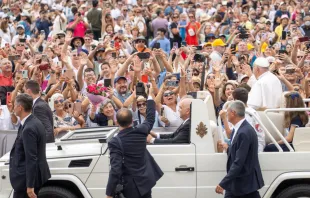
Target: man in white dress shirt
(266, 90)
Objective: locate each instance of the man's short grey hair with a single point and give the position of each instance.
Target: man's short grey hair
(238, 107)
(25, 101)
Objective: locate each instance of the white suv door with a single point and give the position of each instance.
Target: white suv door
(178, 162)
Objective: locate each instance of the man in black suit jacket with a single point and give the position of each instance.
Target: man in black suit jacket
(138, 171)
(28, 166)
(182, 134)
(41, 109)
(244, 176)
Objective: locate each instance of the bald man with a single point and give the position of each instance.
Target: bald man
(181, 135)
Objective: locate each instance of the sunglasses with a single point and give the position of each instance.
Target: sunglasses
(59, 101)
(168, 94)
(141, 105)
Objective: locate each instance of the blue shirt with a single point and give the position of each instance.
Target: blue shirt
(122, 97)
(161, 78)
(164, 44)
(44, 25)
(27, 28)
(169, 9)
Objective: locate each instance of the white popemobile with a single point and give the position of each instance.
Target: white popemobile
(79, 161)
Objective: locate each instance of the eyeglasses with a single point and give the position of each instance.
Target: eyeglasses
(140, 41)
(168, 94)
(20, 45)
(175, 17)
(59, 101)
(141, 105)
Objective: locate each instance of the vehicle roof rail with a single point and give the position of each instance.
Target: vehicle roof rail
(89, 135)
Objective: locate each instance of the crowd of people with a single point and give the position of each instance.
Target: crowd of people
(253, 51)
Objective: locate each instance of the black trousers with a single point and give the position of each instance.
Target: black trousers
(23, 194)
(254, 194)
(97, 34)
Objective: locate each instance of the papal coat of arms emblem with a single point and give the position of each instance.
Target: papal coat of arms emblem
(201, 129)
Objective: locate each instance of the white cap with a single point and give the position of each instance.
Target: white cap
(271, 59)
(20, 26)
(261, 62)
(25, 13)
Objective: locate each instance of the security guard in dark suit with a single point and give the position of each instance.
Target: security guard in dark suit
(244, 176)
(131, 163)
(28, 166)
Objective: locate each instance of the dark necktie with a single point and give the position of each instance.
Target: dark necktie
(232, 135)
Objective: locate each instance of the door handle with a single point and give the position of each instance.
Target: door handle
(184, 168)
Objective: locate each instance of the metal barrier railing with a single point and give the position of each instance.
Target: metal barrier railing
(276, 129)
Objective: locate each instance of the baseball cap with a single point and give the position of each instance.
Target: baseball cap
(284, 16)
(20, 26)
(271, 59)
(261, 62)
(207, 44)
(218, 42)
(250, 46)
(118, 78)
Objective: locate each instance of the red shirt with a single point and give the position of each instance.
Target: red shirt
(192, 40)
(6, 81)
(79, 30)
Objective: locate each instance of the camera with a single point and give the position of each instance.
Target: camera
(140, 89)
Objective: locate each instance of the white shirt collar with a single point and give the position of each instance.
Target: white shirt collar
(34, 101)
(185, 121)
(236, 128)
(24, 120)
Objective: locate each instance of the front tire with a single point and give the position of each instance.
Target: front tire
(296, 191)
(55, 192)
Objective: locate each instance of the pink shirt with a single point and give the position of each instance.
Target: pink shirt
(79, 30)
